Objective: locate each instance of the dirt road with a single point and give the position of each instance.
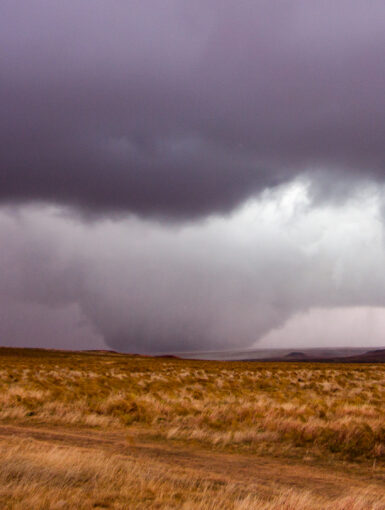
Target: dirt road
(264, 474)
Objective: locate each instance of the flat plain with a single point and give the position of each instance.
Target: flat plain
(92, 430)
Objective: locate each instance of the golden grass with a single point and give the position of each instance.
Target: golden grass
(312, 414)
(268, 408)
(34, 476)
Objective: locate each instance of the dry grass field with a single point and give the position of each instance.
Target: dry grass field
(102, 430)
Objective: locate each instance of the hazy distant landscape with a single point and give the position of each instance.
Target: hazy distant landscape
(320, 353)
(105, 430)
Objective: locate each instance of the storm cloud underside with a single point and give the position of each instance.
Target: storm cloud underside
(221, 283)
(181, 109)
(188, 175)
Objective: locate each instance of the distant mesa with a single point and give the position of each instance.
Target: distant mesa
(167, 356)
(296, 355)
(100, 350)
(328, 356)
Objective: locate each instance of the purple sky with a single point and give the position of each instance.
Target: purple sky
(142, 128)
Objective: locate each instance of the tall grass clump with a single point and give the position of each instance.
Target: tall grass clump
(288, 409)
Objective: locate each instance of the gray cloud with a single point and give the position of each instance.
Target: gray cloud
(352, 326)
(220, 283)
(182, 109)
(185, 111)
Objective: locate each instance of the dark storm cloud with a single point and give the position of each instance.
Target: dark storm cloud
(145, 286)
(185, 108)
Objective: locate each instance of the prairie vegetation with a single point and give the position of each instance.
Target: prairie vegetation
(111, 411)
(33, 477)
(270, 408)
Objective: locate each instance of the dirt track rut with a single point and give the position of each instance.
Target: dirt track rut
(267, 474)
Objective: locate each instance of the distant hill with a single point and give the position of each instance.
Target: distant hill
(372, 356)
(282, 354)
(296, 355)
(377, 356)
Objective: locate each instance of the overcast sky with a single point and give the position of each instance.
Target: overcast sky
(180, 175)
